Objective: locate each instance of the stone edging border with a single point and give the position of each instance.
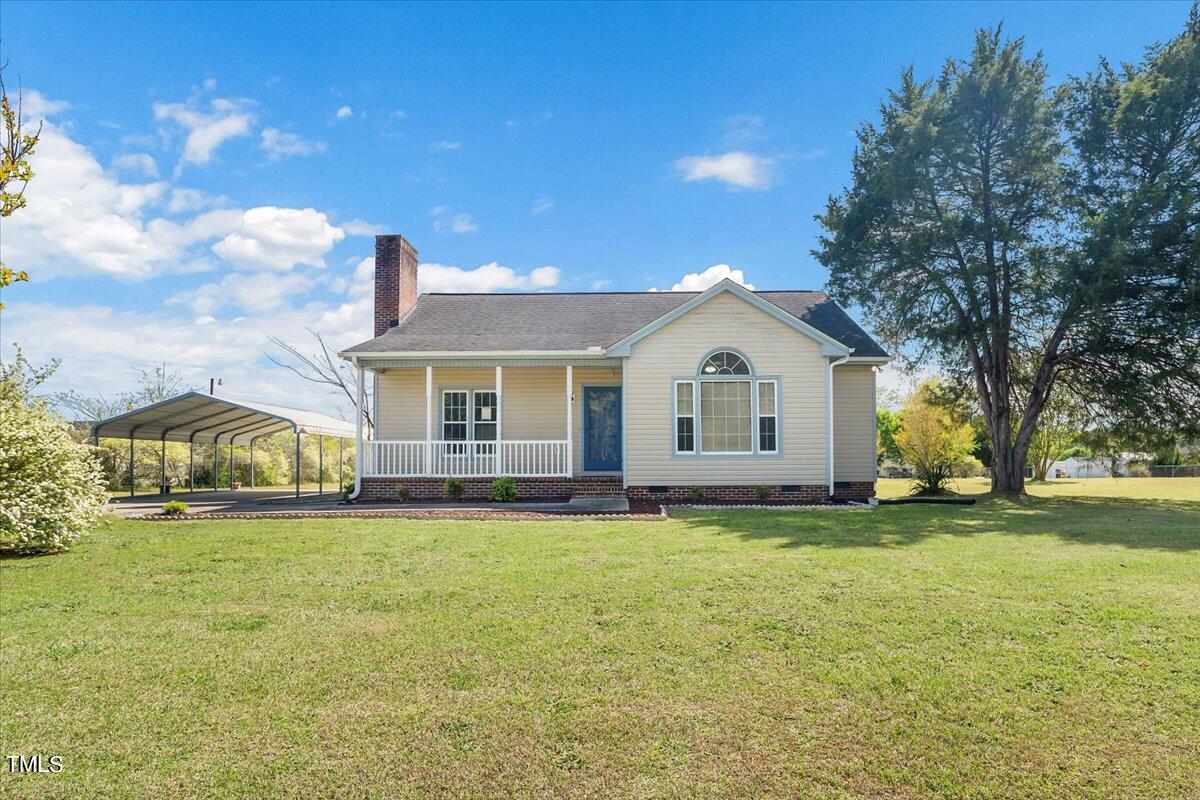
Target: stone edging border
(431, 513)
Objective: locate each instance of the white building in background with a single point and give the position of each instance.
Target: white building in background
(1094, 467)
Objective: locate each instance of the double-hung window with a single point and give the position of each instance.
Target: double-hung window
(768, 417)
(726, 409)
(685, 417)
(483, 421)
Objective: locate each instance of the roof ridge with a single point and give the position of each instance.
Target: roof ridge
(595, 294)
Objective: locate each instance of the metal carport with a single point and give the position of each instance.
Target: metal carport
(195, 417)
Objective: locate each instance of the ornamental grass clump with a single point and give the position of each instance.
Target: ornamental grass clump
(51, 486)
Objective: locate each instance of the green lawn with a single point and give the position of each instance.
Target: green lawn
(1042, 649)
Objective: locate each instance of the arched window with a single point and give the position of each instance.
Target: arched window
(725, 362)
(725, 409)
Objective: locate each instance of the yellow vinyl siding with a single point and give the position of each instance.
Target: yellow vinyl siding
(400, 404)
(535, 403)
(853, 423)
(676, 350)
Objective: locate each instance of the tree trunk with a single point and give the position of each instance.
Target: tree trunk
(1008, 471)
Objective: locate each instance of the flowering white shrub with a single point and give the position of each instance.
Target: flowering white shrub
(51, 487)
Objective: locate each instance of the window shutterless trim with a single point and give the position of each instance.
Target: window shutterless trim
(699, 452)
(759, 416)
(676, 416)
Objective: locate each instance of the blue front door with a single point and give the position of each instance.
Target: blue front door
(602, 427)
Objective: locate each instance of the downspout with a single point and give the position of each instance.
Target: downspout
(829, 418)
(358, 435)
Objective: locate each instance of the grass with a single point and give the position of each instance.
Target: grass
(1045, 648)
(1116, 488)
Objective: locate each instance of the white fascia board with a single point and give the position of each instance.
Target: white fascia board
(419, 354)
(869, 359)
(829, 345)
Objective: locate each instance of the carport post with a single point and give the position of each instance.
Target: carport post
(162, 463)
(191, 466)
(231, 463)
(131, 492)
(252, 463)
(297, 463)
(216, 463)
(320, 464)
(341, 466)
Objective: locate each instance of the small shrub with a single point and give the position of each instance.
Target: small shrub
(504, 490)
(453, 489)
(173, 508)
(401, 492)
(697, 494)
(763, 493)
(347, 490)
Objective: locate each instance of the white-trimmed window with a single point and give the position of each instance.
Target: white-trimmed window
(685, 417)
(726, 409)
(725, 417)
(483, 418)
(455, 426)
(768, 416)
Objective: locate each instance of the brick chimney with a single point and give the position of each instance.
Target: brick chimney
(395, 281)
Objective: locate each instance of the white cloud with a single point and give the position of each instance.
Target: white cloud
(225, 119)
(35, 106)
(601, 285)
(81, 218)
(279, 145)
(140, 163)
(344, 112)
(737, 169)
(278, 239)
(432, 277)
(445, 145)
(358, 227)
(185, 200)
(699, 281)
(542, 205)
(254, 292)
(100, 346)
(447, 221)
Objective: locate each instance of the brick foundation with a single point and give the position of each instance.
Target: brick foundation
(805, 494)
(427, 490)
(857, 491)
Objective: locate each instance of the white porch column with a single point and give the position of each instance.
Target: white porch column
(499, 420)
(360, 456)
(570, 450)
(429, 420)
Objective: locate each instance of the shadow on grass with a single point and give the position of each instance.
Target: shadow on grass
(1157, 524)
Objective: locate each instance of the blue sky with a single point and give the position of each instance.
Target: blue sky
(213, 172)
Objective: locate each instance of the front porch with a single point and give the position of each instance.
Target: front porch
(437, 420)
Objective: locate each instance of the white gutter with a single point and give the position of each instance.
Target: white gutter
(829, 418)
(358, 435)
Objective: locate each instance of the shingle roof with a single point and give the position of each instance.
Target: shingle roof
(575, 321)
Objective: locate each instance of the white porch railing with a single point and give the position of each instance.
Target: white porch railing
(465, 459)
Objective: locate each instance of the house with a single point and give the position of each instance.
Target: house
(653, 395)
(1094, 467)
